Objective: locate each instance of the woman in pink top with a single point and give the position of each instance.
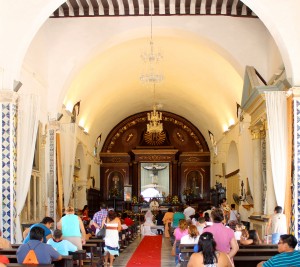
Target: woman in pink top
(223, 235)
(179, 232)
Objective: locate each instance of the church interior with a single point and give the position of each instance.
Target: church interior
(124, 101)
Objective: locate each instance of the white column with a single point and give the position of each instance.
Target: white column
(257, 170)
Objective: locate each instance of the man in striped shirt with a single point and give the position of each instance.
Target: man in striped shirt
(99, 216)
(287, 256)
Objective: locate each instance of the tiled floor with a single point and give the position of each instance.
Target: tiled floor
(166, 259)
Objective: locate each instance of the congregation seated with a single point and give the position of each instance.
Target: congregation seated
(45, 253)
(207, 254)
(61, 246)
(127, 220)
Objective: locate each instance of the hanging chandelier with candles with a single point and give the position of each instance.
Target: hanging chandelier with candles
(155, 125)
(150, 78)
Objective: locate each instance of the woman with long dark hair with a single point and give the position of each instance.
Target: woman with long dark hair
(208, 256)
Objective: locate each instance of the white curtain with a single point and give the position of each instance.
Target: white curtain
(68, 151)
(277, 127)
(28, 111)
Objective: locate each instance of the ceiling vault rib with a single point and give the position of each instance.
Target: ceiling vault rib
(89, 8)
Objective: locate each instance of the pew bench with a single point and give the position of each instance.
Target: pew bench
(257, 252)
(249, 261)
(8, 251)
(261, 246)
(28, 265)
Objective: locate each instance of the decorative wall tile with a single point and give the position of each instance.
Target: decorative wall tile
(8, 168)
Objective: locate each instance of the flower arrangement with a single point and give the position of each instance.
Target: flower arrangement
(175, 200)
(168, 199)
(134, 200)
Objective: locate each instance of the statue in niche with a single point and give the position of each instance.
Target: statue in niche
(115, 184)
(154, 168)
(194, 183)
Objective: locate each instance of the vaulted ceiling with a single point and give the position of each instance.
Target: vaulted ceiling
(94, 49)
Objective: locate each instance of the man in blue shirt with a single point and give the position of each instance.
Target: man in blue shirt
(45, 253)
(99, 216)
(61, 246)
(45, 224)
(288, 255)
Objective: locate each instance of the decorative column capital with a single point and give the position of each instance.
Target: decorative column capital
(258, 131)
(54, 125)
(296, 92)
(7, 96)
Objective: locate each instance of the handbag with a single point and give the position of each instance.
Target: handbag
(102, 232)
(173, 251)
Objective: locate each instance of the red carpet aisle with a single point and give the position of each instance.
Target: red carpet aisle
(148, 253)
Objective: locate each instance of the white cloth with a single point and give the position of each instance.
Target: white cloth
(189, 211)
(276, 107)
(188, 240)
(146, 226)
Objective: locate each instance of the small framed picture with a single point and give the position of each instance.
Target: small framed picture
(127, 193)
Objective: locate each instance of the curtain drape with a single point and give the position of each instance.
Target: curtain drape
(28, 111)
(276, 104)
(68, 152)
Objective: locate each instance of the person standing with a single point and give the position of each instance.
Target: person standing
(72, 228)
(287, 256)
(277, 224)
(99, 216)
(45, 224)
(223, 235)
(167, 219)
(226, 209)
(234, 217)
(111, 239)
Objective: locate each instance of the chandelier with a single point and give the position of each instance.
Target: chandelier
(155, 125)
(150, 78)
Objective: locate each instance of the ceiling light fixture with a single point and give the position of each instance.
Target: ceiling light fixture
(151, 77)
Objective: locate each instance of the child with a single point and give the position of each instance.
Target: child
(238, 231)
(61, 246)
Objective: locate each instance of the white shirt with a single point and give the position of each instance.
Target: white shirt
(187, 240)
(278, 223)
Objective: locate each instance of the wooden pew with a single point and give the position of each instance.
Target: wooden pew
(66, 261)
(28, 265)
(185, 252)
(249, 261)
(263, 246)
(8, 251)
(92, 249)
(257, 252)
(79, 255)
(16, 245)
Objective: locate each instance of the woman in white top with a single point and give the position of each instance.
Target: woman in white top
(192, 237)
(113, 227)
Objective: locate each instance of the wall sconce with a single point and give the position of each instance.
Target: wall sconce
(59, 116)
(17, 85)
(74, 113)
(97, 143)
(85, 131)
